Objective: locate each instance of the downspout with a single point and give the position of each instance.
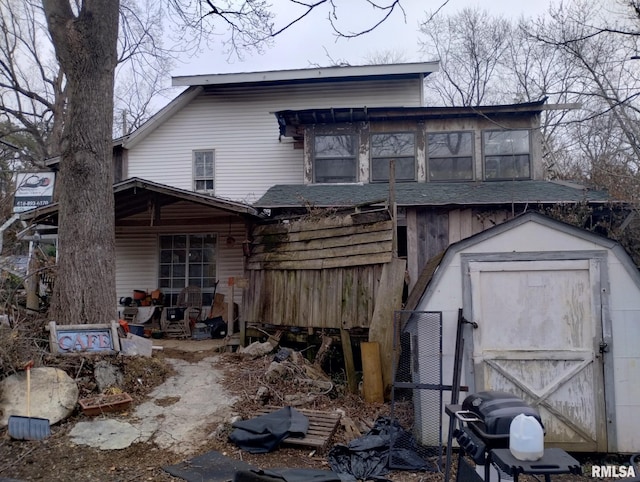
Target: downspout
(4, 227)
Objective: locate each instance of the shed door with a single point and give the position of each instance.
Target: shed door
(538, 336)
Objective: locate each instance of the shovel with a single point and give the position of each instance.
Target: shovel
(28, 428)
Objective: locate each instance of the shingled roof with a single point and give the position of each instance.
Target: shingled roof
(429, 194)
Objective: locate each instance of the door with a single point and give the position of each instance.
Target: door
(539, 329)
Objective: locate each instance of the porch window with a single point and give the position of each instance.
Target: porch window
(335, 159)
(187, 260)
(398, 146)
(506, 154)
(450, 156)
(203, 169)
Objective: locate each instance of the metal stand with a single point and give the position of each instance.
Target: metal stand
(554, 461)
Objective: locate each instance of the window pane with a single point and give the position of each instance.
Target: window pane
(179, 241)
(451, 169)
(506, 142)
(195, 270)
(175, 272)
(390, 145)
(335, 146)
(450, 144)
(405, 169)
(178, 271)
(335, 170)
(203, 170)
(507, 167)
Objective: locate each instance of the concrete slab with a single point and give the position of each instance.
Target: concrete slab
(180, 413)
(106, 434)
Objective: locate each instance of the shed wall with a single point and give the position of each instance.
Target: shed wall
(446, 295)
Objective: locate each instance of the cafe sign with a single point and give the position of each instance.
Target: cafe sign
(96, 338)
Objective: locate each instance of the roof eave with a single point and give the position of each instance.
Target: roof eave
(321, 74)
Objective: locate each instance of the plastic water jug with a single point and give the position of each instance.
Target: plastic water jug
(526, 438)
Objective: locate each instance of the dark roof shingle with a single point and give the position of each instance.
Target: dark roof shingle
(429, 194)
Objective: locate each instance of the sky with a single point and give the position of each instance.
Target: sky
(311, 42)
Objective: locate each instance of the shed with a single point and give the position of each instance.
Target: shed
(558, 315)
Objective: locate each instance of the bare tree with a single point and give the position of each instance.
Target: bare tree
(86, 47)
(592, 42)
(31, 82)
(85, 36)
(471, 46)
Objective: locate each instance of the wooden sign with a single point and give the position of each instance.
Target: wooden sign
(98, 338)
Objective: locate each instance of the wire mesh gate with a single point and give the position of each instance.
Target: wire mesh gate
(416, 392)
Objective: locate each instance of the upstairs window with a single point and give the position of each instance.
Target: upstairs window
(335, 159)
(398, 146)
(506, 154)
(450, 156)
(203, 169)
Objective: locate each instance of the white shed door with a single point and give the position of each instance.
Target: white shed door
(538, 335)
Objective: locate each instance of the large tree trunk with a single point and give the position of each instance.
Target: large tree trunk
(86, 46)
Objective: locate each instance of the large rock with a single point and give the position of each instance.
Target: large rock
(54, 395)
(107, 375)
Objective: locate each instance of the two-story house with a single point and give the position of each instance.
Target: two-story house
(234, 151)
(284, 179)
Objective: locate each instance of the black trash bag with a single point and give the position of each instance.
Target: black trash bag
(367, 457)
(217, 326)
(264, 433)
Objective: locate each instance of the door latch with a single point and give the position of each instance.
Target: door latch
(604, 347)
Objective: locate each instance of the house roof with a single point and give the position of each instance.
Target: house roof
(433, 271)
(428, 194)
(296, 118)
(135, 195)
(197, 83)
(316, 74)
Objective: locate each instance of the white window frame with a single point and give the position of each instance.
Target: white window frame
(178, 266)
(205, 177)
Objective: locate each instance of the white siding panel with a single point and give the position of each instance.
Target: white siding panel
(137, 255)
(240, 126)
(136, 264)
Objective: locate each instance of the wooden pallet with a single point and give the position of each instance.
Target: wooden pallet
(322, 426)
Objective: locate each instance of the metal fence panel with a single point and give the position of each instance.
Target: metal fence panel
(416, 398)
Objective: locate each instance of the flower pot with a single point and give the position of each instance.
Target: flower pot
(105, 403)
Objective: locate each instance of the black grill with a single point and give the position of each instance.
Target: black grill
(486, 418)
(489, 414)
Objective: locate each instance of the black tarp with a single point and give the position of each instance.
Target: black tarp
(367, 457)
(264, 433)
(209, 467)
(286, 475)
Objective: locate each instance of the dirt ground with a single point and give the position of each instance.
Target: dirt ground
(57, 459)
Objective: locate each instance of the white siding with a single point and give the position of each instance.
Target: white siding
(624, 311)
(137, 255)
(240, 126)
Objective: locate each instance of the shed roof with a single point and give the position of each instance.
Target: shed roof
(429, 194)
